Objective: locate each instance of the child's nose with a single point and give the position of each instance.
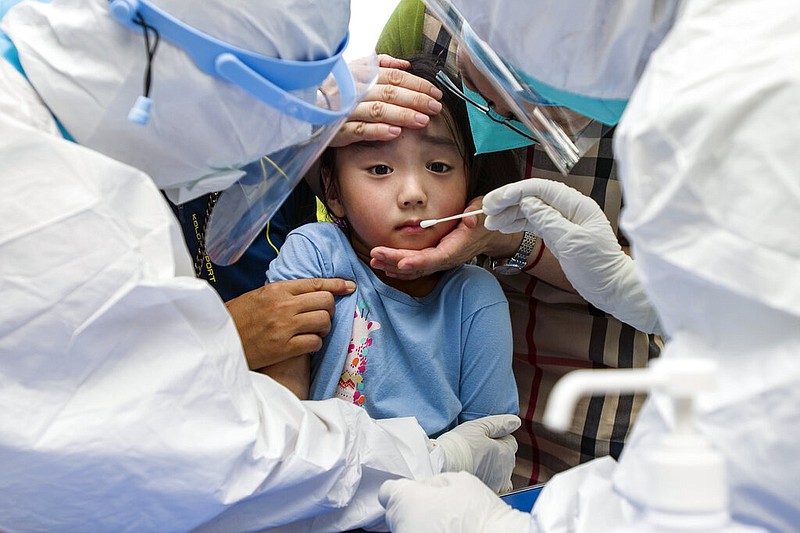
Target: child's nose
(412, 192)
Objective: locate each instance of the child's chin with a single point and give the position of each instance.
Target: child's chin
(414, 242)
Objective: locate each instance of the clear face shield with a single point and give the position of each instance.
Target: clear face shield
(563, 134)
(297, 108)
(243, 209)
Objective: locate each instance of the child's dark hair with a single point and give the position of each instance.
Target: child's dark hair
(485, 172)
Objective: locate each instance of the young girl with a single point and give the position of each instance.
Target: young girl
(438, 347)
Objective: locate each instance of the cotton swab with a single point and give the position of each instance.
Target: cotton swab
(431, 222)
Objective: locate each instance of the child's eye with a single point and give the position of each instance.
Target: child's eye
(439, 167)
(380, 170)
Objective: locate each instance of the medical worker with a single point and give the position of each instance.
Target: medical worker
(707, 148)
(126, 400)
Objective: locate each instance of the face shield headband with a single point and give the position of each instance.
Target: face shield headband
(312, 98)
(563, 134)
(265, 78)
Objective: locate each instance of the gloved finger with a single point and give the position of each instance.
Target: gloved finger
(389, 489)
(512, 225)
(508, 442)
(498, 426)
(511, 194)
(508, 487)
(393, 487)
(572, 204)
(528, 202)
(505, 219)
(546, 221)
(505, 450)
(496, 473)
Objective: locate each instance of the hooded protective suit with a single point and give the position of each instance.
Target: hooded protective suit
(708, 164)
(126, 398)
(707, 149)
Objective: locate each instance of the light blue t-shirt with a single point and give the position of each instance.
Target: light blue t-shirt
(444, 358)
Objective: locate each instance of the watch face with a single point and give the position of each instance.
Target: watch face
(506, 269)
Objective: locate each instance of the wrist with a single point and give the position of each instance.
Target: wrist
(502, 245)
(520, 259)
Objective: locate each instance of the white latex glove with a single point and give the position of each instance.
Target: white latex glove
(454, 501)
(484, 447)
(578, 233)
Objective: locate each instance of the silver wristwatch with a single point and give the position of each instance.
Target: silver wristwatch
(517, 262)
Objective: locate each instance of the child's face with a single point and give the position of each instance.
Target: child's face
(387, 188)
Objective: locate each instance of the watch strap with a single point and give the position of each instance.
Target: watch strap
(515, 263)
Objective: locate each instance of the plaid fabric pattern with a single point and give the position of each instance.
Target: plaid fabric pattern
(556, 331)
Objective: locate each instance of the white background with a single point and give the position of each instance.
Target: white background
(367, 18)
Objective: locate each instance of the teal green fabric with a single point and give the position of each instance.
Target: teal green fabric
(606, 110)
(488, 135)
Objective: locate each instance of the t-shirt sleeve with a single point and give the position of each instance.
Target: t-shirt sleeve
(487, 379)
(299, 258)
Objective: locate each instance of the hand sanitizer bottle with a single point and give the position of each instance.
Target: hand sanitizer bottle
(685, 475)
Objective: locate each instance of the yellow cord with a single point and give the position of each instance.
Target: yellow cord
(264, 173)
(322, 213)
(271, 162)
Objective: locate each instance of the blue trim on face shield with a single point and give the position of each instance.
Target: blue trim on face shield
(605, 110)
(489, 135)
(266, 78)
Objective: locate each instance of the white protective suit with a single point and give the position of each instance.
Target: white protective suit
(709, 162)
(126, 400)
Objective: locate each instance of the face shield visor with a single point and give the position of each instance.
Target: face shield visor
(308, 103)
(243, 209)
(565, 135)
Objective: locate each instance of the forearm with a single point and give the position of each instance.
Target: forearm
(541, 264)
(294, 374)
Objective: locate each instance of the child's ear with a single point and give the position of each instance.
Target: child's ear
(331, 194)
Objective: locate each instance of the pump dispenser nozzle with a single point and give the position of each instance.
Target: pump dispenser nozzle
(685, 476)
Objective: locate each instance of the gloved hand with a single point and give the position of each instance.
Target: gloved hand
(454, 501)
(484, 447)
(579, 235)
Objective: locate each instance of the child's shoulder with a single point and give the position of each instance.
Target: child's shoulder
(475, 288)
(322, 234)
(476, 278)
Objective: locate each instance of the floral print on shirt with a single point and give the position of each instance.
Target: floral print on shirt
(351, 382)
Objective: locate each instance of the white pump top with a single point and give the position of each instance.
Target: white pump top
(685, 474)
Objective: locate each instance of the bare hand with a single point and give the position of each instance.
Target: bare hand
(467, 240)
(285, 319)
(398, 100)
